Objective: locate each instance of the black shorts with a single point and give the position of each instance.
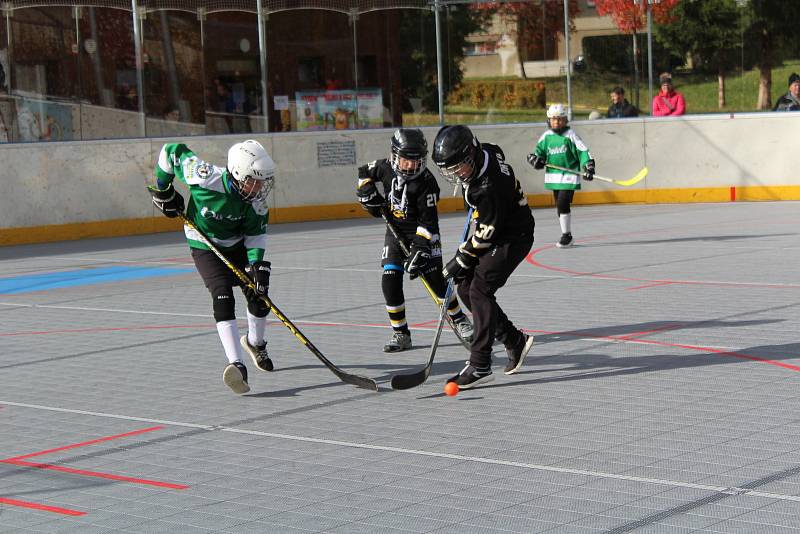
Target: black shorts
(214, 272)
(392, 256)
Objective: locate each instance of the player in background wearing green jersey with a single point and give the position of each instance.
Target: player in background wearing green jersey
(561, 146)
(229, 206)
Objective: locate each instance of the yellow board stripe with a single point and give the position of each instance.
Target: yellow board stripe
(148, 225)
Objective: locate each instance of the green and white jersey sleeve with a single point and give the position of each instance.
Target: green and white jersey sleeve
(565, 150)
(217, 209)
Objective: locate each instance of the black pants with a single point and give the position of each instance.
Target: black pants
(220, 281)
(477, 292)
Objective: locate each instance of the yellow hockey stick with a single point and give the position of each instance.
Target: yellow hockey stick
(636, 179)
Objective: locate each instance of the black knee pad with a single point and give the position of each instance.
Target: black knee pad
(224, 304)
(257, 308)
(392, 286)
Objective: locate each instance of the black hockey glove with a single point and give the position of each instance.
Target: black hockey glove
(418, 261)
(168, 201)
(588, 171)
(460, 266)
(370, 199)
(259, 273)
(535, 161)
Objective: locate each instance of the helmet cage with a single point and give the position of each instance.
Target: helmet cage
(247, 187)
(409, 168)
(460, 172)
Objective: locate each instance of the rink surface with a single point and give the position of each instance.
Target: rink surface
(661, 395)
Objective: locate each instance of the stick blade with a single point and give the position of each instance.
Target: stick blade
(357, 380)
(411, 380)
(636, 179)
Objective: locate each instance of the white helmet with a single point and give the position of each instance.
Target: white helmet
(252, 169)
(556, 110)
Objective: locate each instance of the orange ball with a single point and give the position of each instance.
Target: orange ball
(451, 389)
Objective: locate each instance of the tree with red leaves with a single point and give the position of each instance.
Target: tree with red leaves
(537, 25)
(630, 16)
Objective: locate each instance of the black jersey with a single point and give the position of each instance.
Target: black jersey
(412, 203)
(501, 211)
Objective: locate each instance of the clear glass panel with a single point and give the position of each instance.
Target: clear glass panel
(107, 61)
(380, 69)
(173, 74)
(44, 80)
(411, 62)
(233, 72)
(510, 65)
(7, 106)
(311, 72)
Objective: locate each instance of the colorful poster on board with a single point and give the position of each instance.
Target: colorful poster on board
(41, 120)
(370, 108)
(339, 109)
(308, 117)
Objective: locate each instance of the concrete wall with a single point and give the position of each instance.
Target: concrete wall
(66, 190)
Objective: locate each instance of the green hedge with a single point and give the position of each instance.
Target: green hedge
(504, 94)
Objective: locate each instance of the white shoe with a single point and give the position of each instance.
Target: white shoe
(235, 377)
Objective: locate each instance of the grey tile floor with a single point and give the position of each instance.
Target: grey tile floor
(660, 397)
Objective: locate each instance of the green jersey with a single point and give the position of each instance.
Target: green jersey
(565, 150)
(213, 204)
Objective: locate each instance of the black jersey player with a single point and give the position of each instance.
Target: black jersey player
(409, 198)
(501, 238)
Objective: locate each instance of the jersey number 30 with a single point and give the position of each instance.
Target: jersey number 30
(484, 231)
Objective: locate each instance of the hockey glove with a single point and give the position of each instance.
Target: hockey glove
(588, 171)
(168, 201)
(536, 161)
(369, 197)
(418, 261)
(460, 266)
(259, 273)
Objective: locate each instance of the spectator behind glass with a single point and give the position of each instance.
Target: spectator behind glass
(620, 107)
(791, 100)
(668, 101)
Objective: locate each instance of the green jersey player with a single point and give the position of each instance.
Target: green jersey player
(229, 206)
(561, 146)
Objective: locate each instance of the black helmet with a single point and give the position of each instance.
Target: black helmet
(457, 153)
(411, 146)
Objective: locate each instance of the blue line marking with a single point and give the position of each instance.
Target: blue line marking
(81, 277)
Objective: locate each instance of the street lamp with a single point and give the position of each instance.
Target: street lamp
(649, 45)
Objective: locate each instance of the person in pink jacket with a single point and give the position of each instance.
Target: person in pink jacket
(668, 101)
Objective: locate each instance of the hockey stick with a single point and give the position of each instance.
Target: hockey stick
(356, 380)
(404, 247)
(413, 380)
(636, 179)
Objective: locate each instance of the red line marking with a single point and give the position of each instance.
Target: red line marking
(653, 331)
(733, 194)
(530, 259)
(43, 507)
(645, 286)
(108, 476)
(698, 348)
(83, 444)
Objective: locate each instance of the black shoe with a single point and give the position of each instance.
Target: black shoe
(565, 241)
(517, 353)
(258, 354)
(235, 377)
(470, 376)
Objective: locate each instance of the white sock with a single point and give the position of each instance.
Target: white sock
(229, 335)
(565, 220)
(256, 329)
